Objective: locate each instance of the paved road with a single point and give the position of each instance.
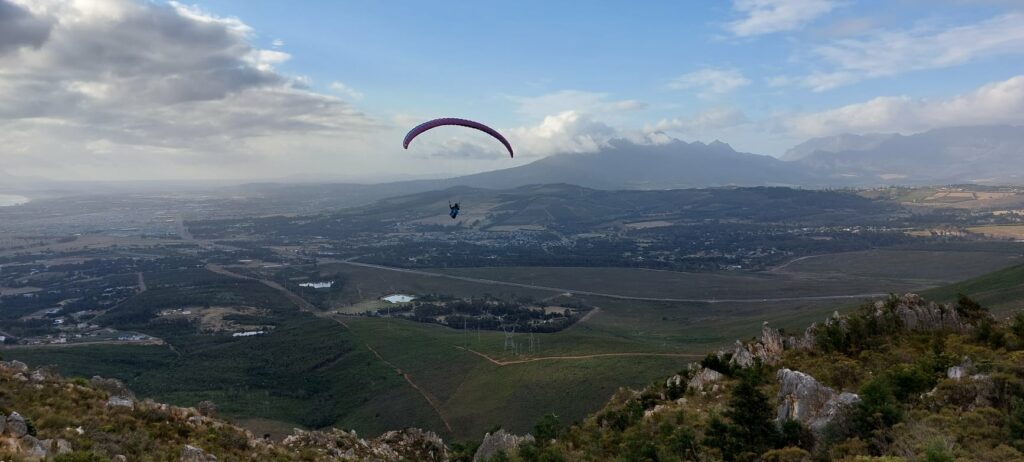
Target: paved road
(499, 362)
(613, 296)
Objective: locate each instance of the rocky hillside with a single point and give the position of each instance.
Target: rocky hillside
(902, 379)
(46, 417)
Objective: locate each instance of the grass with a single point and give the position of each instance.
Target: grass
(1015, 232)
(1002, 291)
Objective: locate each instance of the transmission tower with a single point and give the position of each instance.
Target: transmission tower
(510, 337)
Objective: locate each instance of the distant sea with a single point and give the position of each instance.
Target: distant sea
(8, 199)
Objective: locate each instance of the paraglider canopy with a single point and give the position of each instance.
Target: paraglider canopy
(460, 122)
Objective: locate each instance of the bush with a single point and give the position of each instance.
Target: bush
(786, 455)
(547, 429)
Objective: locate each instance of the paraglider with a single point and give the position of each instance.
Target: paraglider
(453, 209)
(459, 122)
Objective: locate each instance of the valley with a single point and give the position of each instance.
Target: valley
(281, 322)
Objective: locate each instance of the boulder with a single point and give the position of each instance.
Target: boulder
(741, 357)
(120, 458)
(113, 387)
(804, 399)
(965, 369)
(498, 442)
(63, 446)
(194, 454)
(675, 381)
(117, 402)
(34, 448)
(16, 425)
(13, 366)
(704, 378)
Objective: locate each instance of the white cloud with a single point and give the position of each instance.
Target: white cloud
(995, 103)
(888, 53)
(569, 131)
(710, 81)
(120, 88)
(770, 16)
(713, 119)
(342, 89)
(277, 43)
(574, 100)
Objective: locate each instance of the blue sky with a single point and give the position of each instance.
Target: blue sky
(448, 57)
(761, 75)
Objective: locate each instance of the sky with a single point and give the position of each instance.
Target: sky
(325, 90)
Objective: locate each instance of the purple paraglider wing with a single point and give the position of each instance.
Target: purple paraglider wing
(460, 122)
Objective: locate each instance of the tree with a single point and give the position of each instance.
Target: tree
(751, 425)
(546, 429)
(876, 411)
(969, 309)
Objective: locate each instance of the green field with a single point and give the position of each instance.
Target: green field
(1002, 291)
(313, 371)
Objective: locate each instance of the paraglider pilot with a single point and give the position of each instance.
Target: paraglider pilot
(454, 209)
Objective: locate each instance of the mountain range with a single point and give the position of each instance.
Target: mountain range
(980, 154)
(976, 154)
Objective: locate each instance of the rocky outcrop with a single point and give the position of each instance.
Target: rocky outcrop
(16, 426)
(16, 439)
(916, 314)
(13, 367)
(704, 378)
(768, 350)
(498, 442)
(741, 356)
(804, 399)
(191, 453)
(112, 386)
(118, 402)
(408, 444)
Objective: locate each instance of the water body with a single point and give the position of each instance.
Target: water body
(10, 199)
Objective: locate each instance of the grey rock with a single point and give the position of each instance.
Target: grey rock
(703, 379)
(961, 371)
(120, 458)
(115, 401)
(920, 316)
(193, 454)
(13, 366)
(498, 442)
(675, 381)
(35, 448)
(741, 357)
(16, 425)
(112, 386)
(63, 446)
(773, 345)
(804, 399)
